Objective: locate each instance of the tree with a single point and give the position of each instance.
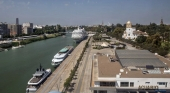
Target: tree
(141, 39)
(119, 25)
(118, 32)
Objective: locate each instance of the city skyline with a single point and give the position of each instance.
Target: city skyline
(84, 12)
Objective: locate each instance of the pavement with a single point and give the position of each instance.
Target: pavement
(128, 46)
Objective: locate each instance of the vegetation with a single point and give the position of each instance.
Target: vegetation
(49, 30)
(15, 43)
(157, 41)
(27, 41)
(72, 73)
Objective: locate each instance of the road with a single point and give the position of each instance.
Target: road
(83, 82)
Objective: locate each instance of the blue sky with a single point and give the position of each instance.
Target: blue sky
(84, 12)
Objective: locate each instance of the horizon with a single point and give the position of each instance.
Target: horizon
(84, 12)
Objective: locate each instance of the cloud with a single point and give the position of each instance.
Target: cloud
(28, 3)
(24, 3)
(66, 4)
(88, 1)
(1, 2)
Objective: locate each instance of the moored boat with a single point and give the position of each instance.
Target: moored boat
(61, 55)
(38, 78)
(79, 34)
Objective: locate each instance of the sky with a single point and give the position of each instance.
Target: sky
(84, 12)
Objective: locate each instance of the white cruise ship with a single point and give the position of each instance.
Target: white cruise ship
(61, 55)
(79, 34)
(38, 78)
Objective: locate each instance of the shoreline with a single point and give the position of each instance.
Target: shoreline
(28, 41)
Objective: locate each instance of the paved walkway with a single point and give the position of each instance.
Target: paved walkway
(58, 77)
(81, 81)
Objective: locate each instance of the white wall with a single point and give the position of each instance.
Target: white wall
(129, 33)
(141, 81)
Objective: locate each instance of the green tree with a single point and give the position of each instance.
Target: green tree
(118, 32)
(141, 39)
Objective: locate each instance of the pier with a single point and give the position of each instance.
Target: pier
(62, 72)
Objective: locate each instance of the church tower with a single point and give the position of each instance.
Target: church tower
(128, 24)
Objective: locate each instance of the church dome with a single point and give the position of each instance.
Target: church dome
(128, 22)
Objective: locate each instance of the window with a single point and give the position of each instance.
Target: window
(124, 84)
(161, 83)
(131, 84)
(95, 91)
(102, 91)
(112, 84)
(147, 82)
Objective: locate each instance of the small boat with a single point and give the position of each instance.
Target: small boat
(61, 55)
(63, 36)
(20, 46)
(6, 49)
(38, 78)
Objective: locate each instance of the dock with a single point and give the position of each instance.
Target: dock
(56, 80)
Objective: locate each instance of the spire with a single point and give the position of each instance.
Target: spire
(102, 23)
(161, 21)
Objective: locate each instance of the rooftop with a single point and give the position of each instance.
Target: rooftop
(103, 67)
(138, 58)
(106, 67)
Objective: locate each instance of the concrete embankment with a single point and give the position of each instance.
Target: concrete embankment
(59, 76)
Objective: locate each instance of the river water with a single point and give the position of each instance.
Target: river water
(17, 66)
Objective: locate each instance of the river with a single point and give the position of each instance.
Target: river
(17, 66)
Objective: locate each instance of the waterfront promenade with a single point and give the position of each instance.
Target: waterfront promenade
(59, 76)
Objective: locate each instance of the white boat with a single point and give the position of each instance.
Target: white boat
(15, 47)
(79, 34)
(61, 55)
(38, 78)
(32, 88)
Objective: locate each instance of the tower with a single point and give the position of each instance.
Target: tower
(17, 21)
(162, 21)
(102, 23)
(128, 24)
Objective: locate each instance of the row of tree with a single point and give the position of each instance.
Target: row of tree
(49, 30)
(69, 79)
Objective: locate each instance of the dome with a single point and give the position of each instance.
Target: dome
(128, 22)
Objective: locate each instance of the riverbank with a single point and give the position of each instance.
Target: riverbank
(28, 41)
(42, 37)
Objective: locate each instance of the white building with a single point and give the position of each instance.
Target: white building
(130, 71)
(27, 28)
(38, 27)
(131, 32)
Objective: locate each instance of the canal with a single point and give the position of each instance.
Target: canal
(17, 66)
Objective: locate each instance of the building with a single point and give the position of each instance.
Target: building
(17, 21)
(130, 71)
(131, 32)
(4, 30)
(38, 27)
(27, 28)
(15, 29)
